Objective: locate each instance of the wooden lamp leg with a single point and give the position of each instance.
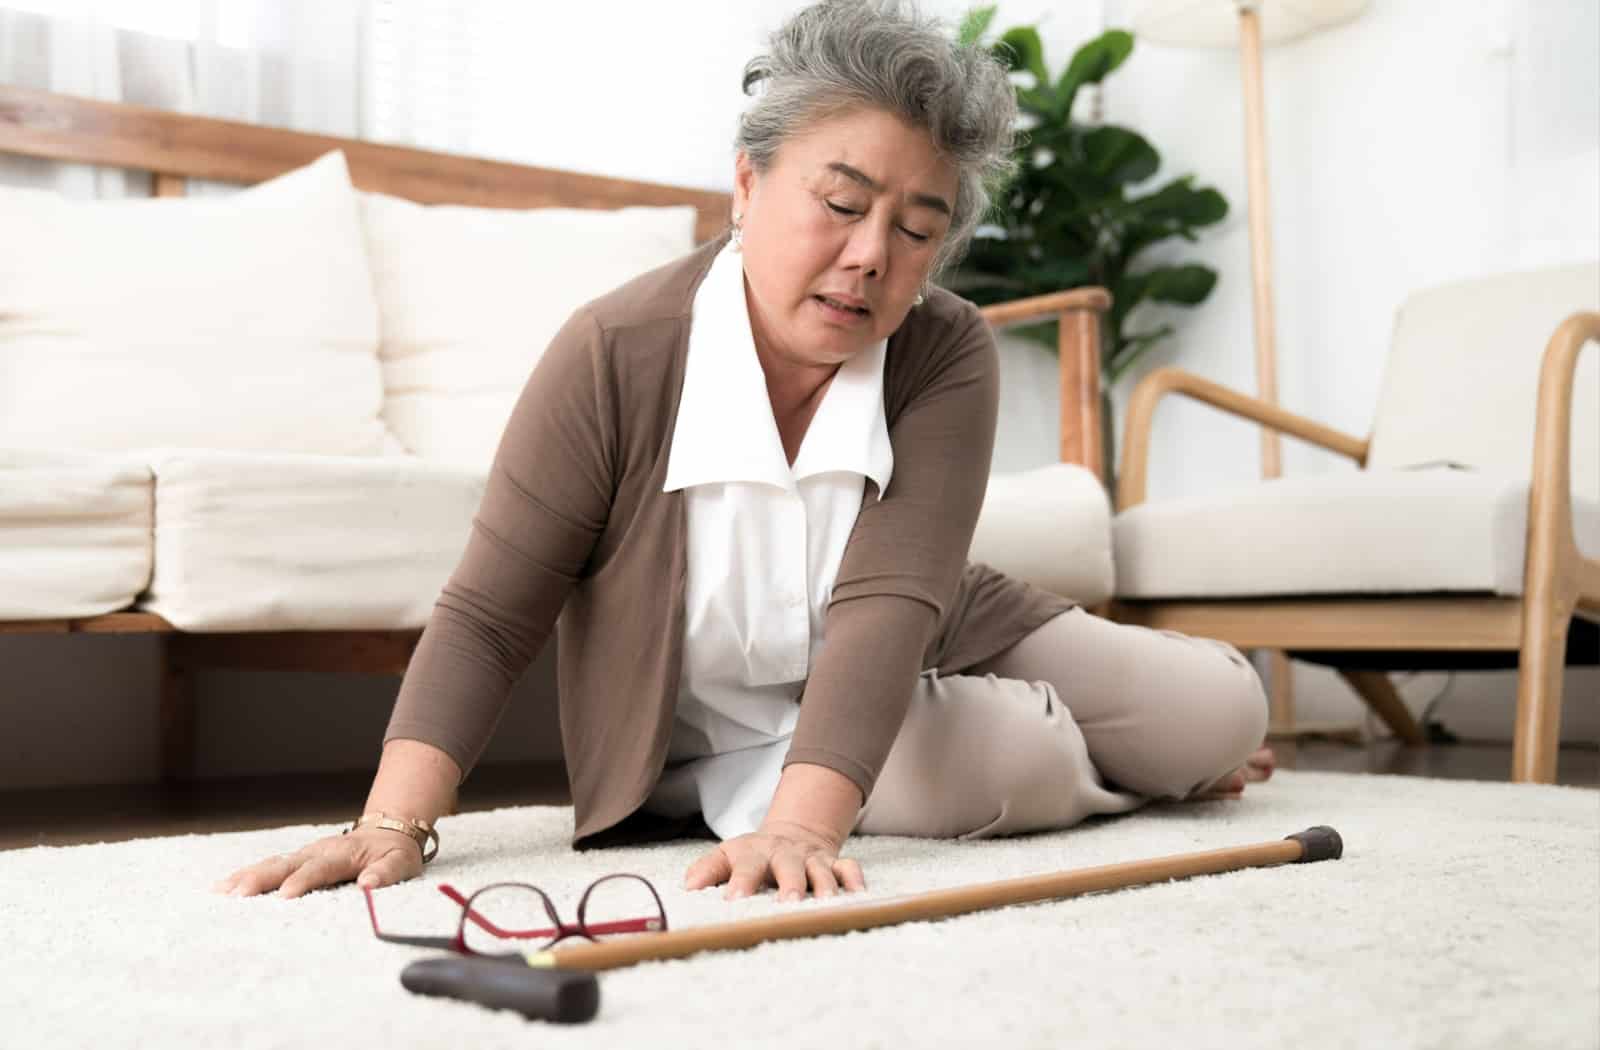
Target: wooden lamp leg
(1280, 679)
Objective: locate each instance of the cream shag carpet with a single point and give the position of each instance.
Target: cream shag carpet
(1462, 915)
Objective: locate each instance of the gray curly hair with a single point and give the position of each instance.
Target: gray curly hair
(842, 54)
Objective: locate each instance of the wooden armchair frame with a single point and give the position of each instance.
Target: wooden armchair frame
(1557, 579)
(176, 147)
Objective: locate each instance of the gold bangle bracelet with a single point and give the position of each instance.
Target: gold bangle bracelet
(418, 831)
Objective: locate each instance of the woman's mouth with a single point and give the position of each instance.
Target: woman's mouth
(842, 309)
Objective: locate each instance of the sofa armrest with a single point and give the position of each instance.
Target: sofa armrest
(1078, 310)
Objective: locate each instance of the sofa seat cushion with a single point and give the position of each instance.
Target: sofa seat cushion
(1369, 532)
(74, 534)
(253, 542)
(1050, 527)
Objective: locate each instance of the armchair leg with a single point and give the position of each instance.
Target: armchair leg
(1540, 668)
(1379, 693)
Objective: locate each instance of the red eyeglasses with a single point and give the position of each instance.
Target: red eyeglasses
(501, 918)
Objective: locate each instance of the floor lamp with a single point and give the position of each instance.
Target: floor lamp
(1248, 24)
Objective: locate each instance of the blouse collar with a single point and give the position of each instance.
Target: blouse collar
(725, 430)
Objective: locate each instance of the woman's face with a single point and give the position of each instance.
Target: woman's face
(840, 233)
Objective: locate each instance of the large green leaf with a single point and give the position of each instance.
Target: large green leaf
(1175, 210)
(1186, 285)
(974, 24)
(1038, 102)
(1120, 156)
(1079, 181)
(1179, 202)
(1051, 137)
(1057, 275)
(1127, 292)
(1130, 350)
(1093, 62)
(1023, 51)
(988, 259)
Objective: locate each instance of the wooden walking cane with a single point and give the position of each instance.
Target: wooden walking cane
(559, 984)
(1313, 844)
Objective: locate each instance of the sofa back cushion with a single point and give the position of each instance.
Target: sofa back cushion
(470, 297)
(1462, 376)
(242, 322)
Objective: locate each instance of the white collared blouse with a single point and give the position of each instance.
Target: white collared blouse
(764, 544)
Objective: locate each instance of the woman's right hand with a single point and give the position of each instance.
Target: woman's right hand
(373, 857)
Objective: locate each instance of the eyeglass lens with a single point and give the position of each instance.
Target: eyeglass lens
(507, 918)
(621, 904)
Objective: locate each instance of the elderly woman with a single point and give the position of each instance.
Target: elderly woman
(747, 482)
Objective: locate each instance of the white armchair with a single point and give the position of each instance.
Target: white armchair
(1469, 537)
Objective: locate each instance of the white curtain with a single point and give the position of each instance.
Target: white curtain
(446, 74)
(1554, 133)
(373, 69)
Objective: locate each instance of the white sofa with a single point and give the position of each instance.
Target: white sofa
(274, 411)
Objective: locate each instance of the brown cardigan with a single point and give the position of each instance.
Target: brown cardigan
(574, 522)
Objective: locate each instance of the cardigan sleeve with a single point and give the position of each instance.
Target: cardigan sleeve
(904, 558)
(545, 503)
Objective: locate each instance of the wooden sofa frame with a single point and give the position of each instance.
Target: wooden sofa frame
(175, 147)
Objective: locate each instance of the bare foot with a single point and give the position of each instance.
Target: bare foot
(1257, 767)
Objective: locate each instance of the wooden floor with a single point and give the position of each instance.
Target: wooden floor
(69, 816)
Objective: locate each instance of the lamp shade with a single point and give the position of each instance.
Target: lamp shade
(1215, 23)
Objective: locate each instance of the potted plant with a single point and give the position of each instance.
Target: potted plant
(1078, 210)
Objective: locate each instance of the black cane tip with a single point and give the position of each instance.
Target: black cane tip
(1318, 843)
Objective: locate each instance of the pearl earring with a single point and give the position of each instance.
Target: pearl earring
(919, 300)
(737, 238)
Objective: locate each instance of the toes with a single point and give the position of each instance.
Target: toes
(1230, 786)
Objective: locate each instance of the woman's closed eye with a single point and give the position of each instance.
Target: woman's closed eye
(840, 209)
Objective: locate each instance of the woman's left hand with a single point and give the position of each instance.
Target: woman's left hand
(790, 855)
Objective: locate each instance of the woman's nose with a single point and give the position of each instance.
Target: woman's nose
(867, 249)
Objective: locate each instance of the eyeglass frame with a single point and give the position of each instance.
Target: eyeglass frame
(562, 930)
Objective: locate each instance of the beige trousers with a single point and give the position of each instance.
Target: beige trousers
(1081, 717)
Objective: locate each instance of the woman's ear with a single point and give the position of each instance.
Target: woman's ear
(744, 182)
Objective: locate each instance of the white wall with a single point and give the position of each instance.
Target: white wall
(1427, 141)
(648, 90)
